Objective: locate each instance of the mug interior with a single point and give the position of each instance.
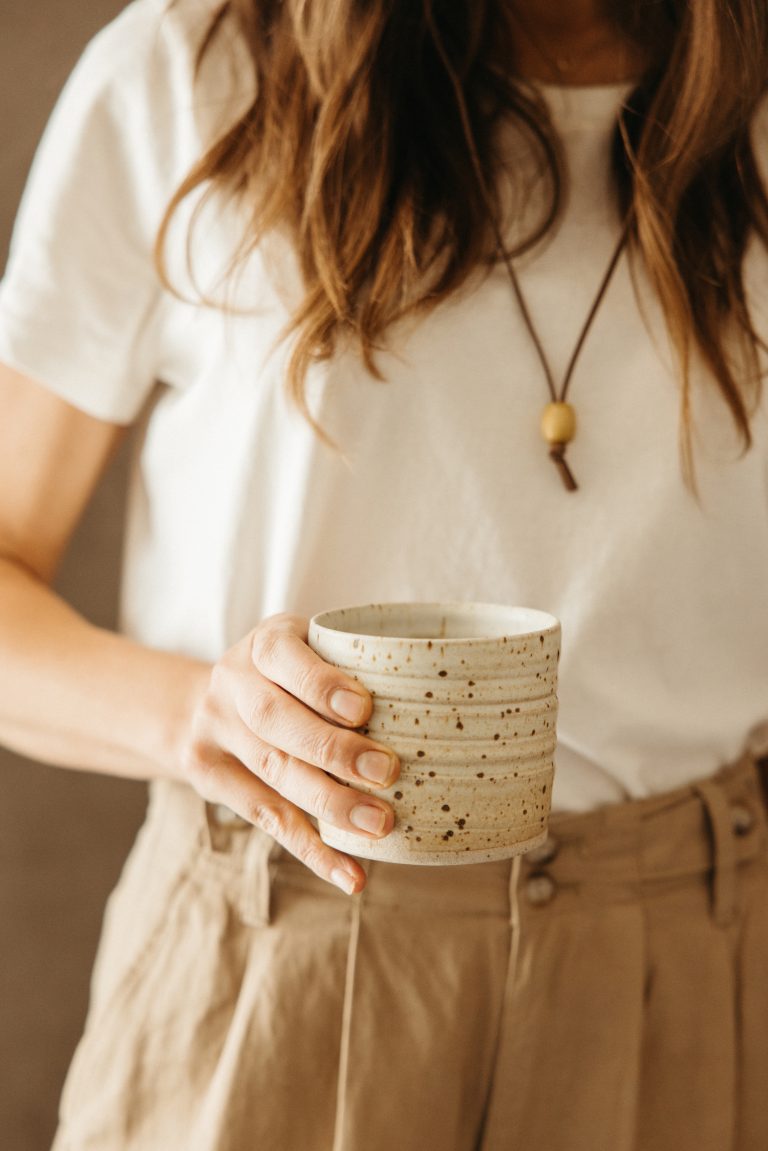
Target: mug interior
(431, 621)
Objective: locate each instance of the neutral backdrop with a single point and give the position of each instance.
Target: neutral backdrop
(63, 834)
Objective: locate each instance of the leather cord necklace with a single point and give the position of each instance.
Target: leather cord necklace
(558, 419)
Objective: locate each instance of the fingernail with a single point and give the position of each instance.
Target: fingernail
(368, 818)
(348, 705)
(375, 766)
(343, 880)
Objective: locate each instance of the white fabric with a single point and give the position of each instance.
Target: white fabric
(442, 488)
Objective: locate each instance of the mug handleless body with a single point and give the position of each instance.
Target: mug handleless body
(466, 695)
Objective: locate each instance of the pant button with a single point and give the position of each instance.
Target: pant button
(544, 853)
(540, 889)
(742, 819)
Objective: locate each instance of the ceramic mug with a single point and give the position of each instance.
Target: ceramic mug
(465, 694)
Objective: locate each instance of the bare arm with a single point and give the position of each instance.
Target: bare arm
(70, 693)
(246, 731)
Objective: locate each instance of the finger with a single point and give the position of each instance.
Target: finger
(284, 722)
(313, 790)
(279, 651)
(231, 783)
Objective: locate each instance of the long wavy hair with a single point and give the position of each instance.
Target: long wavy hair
(371, 140)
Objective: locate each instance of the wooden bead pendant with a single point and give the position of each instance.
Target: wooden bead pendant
(558, 427)
(558, 423)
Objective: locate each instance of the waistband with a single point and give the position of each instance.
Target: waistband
(709, 829)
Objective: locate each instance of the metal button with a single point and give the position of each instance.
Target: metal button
(544, 853)
(540, 889)
(742, 819)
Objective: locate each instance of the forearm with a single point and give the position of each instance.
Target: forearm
(78, 696)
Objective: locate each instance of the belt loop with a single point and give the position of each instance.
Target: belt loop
(724, 852)
(259, 866)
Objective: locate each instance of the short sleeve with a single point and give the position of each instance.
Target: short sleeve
(80, 291)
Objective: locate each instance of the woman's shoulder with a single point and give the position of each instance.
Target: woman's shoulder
(143, 41)
(149, 57)
(144, 74)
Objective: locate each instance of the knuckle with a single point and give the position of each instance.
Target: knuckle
(268, 817)
(272, 767)
(313, 856)
(263, 712)
(309, 683)
(265, 646)
(325, 748)
(322, 804)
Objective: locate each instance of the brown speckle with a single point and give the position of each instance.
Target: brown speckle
(431, 775)
(460, 823)
(481, 775)
(442, 673)
(446, 807)
(459, 725)
(421, 754)
(470, 683)
(419, 782)
(398, 795)
(429, 645)
(496, 735)
(428, 695)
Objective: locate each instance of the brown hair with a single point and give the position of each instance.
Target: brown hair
(355, 145)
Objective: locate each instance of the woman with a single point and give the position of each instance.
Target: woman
(331, 261)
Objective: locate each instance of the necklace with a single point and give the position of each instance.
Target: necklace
(558, 419)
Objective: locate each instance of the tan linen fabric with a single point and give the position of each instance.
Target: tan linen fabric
(607, 993)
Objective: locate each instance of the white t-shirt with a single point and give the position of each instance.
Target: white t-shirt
(442, 488)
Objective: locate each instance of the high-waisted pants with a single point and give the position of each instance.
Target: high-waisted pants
(608, 992)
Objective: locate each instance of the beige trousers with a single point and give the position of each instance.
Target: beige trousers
(607, 993)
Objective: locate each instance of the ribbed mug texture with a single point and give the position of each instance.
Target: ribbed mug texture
(465, 694)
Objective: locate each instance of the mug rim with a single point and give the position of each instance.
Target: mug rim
(548, 623)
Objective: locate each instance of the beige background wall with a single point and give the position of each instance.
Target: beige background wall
(63, 835)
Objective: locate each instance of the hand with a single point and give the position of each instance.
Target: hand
(271, 731)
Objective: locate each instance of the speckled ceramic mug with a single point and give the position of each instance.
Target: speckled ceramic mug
(465, 693)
